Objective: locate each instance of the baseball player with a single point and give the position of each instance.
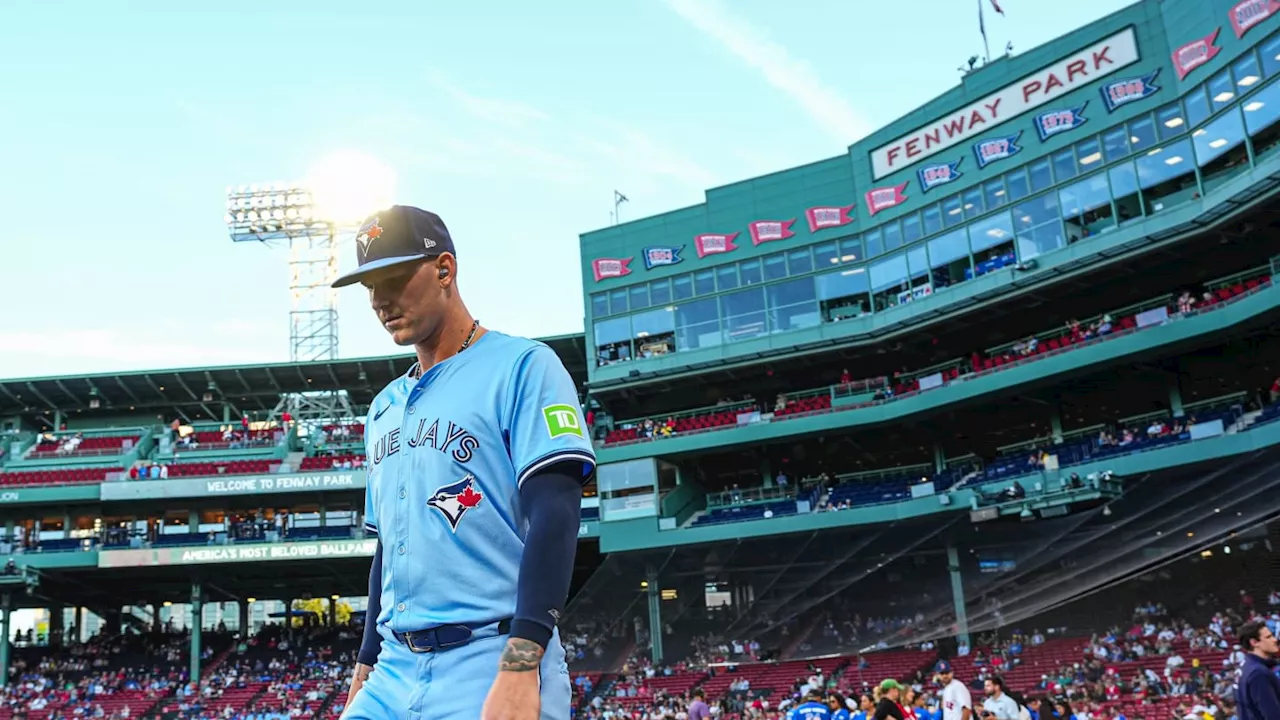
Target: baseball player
(476, 459)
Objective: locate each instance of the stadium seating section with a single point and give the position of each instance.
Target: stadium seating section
(227, 467)
(88, 446)
(1064, 341)
(61, 476)
(327, 462)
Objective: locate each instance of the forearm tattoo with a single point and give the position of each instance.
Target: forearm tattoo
(520, 655)
(361, 673)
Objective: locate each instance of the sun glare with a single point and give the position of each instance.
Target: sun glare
(348, 185)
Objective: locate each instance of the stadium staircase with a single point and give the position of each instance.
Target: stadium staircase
(789, 650)
(601, 685)
(294, 460)
(327, 708)
(627, 651)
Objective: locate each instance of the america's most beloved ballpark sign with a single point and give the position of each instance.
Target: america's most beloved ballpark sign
(966, 124)
(253, 552)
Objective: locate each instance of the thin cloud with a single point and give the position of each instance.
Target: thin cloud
(791, 75)
(509, 113)
(512, 138)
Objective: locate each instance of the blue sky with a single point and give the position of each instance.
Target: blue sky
(119, 132)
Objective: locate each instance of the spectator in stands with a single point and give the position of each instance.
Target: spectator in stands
(998, 705)
(1258, 691)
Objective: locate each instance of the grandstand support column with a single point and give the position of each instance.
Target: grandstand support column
(197, 618)
(57, 619)
(244, 619)
(957, 596)
(6, 610)
(1055, 425)
(939, 459)
(1175, 396)
(655, 615)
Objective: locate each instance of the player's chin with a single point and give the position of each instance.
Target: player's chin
(403, 338)
(401, 331)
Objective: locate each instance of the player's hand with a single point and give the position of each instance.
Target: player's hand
(515, 694)
(358, 678)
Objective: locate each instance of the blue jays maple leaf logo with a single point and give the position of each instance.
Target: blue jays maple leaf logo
(453, 501)
(368, 232)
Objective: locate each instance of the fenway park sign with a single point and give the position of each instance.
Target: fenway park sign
(968, 123)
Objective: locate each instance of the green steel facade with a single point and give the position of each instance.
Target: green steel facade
(1137, 124)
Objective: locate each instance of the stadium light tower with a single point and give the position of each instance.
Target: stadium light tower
(285, 214)
(313, 218)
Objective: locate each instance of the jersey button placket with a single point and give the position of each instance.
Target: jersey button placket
(402, 469)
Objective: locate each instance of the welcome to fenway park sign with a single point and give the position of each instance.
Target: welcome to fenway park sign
(966, 124)
(233, 485)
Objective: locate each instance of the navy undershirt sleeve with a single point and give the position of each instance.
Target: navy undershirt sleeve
(372, 642)
(552, 501)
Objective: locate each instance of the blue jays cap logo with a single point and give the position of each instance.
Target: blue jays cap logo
(368, 232)
(453, 501)
(1059, 121)
(989, 151)
(659, 256)
(1123, 92)
(931, 176)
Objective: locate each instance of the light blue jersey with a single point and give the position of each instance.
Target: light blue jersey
(446, 456)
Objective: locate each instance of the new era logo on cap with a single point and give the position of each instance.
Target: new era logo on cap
(395, 236)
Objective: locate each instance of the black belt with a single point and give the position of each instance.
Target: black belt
(445, 637)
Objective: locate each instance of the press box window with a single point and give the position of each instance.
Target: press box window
(1220, 149)
(654, 332)
(599, 304)
(618, 301)
(660, 292)
(843, 294)
(1260, 116)
(1171, 121)
(1167, 176)
(949, 259)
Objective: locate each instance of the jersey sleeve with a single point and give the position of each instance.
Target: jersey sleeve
(370, 518)
(544, 422)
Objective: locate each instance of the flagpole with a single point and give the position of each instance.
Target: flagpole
(982, 25)
(618, 199)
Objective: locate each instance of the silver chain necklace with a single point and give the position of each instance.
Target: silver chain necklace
(416, 374)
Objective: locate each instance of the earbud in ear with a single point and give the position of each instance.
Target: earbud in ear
(444, 273)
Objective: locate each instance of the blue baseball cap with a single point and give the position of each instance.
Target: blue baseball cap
(397, 236)
(942, 667)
